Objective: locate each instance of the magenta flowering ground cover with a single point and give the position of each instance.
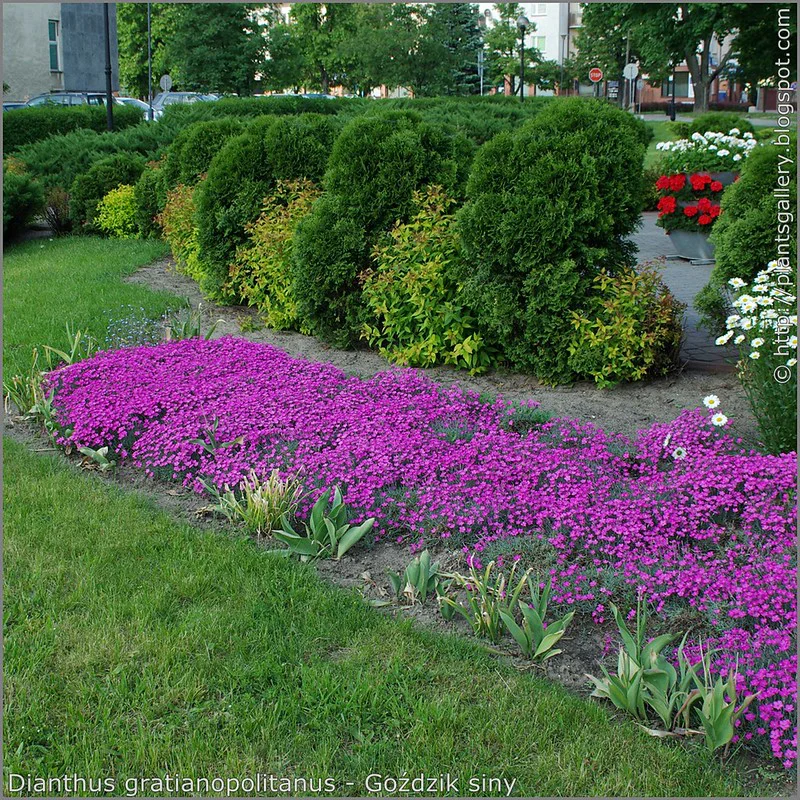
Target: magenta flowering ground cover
(681, 511)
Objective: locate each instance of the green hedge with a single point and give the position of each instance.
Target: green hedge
(60, 159)
(744, 234)
(28, 125)
(549, 206)
(376, 165)
(244, 172)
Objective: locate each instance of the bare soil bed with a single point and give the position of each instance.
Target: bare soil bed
(624, 409)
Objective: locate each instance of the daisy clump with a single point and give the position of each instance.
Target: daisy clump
(764, 328)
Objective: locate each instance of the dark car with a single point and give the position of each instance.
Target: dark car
(68, 99)
(12, 106)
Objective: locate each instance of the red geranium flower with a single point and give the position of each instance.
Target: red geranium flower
(704, 204)
(704, 219)
(699, 181)
(716, 186)
(677, 182)
(690, 211)
(714, 211)
(666, 205)
(662, 182)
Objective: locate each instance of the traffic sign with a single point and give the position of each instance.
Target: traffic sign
(165, 83)
(631, 71)
(595, 74)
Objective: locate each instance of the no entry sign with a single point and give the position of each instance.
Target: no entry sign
(595, 74)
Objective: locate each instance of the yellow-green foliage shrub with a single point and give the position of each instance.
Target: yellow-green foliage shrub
(180, 230)
(116, 213)
(420, 319)
(261, 274)
(631, 329)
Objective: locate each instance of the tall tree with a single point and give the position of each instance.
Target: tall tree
(215, 46)
(603, 40)
(455, 27)
(132, 44)
(284, 67)
(503, 46)
(665, 34)
(321, 30)
(756, 48)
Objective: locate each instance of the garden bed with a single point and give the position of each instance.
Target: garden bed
(681, 510)
(624, 409)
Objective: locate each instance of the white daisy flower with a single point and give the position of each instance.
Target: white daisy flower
(719, 420)
(734, 131)
(791, 362)
(739, 339)
(755, 355)
(711, 401)
(757, 342)
(793, 342)
(746, 324)
(723, 153)
(724, 339)
(737, 283)
(737, 157)
(679, 453)
(732, 321)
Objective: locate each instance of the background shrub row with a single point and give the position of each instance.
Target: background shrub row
(37, 123)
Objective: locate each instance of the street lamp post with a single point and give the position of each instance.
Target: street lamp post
(672, 105)
(561, 79)
(482, 28)
(149, 67)
(522, 24)
(109, 110)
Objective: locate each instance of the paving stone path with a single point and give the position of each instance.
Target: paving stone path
(684, 281)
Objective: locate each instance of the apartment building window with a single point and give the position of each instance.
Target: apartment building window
(52, 35)
(539, 9)
(539, 42)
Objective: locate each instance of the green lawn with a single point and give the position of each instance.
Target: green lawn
(137, 646)
(662, 133)
(75, 279)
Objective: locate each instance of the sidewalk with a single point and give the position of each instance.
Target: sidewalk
(684, 281)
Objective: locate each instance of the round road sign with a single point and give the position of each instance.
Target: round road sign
(165, 83)
(631, 71)
(595, 74)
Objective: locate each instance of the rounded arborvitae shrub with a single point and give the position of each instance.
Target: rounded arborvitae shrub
(745, 233)
(549, 206)
(91, 187)
(193, 149)
(116, 213)
(243, 173)
(262, 274)
(377, 164)
(22, 201)
(150, 194)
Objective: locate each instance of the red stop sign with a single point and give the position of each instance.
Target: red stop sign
(595, 74)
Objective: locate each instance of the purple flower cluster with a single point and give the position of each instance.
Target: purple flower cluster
(710, 533)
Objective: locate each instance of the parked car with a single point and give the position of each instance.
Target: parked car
(69, 99)
(12, 106)
(132, 101)
(164, 99)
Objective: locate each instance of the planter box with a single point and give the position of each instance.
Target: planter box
(692, 245)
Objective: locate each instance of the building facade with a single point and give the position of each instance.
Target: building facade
(50, 47)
